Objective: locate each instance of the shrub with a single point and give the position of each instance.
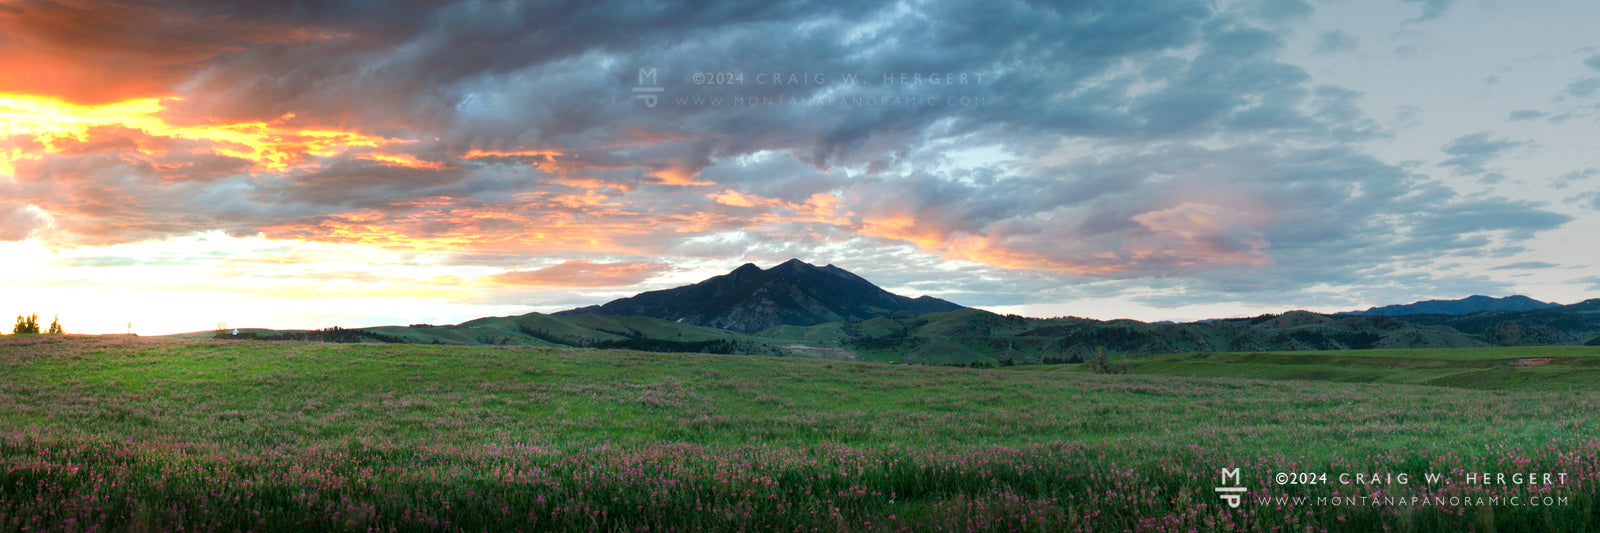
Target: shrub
(1100, 362)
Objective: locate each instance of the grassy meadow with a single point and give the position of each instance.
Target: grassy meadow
(1537, 368)
(119, 433)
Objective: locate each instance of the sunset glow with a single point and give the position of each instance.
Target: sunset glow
(271, 146)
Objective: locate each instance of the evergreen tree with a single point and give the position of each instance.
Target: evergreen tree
(55, 326)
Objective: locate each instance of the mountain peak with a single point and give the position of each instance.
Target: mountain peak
(750, 299)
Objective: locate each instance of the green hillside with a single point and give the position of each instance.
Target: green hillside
(145, 434)
(975, 336)
(541, 330)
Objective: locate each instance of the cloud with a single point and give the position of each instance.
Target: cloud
(100, 52)
(1590, 200)
(582, 273)
(101, 261)
(1526, 265)
(1288, 219)
(1431, 9)
(1576, 176)
(18, 222)
(1285, 10)
(1457, 222)
(1334, 42)
(1471, 152)
(1583, 88)
(1593, 62)
(1108, 147)
(1525, 114)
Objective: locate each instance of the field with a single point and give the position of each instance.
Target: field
(136, 434)
(1546, 368)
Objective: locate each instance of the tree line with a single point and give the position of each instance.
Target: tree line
(29, 325)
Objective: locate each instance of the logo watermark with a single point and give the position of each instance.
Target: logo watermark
(648, 93)
(1233, 495)
(1232, 489)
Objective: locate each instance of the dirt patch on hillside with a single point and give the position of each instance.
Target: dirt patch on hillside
(1532, 361)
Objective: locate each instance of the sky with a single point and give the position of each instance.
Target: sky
(167, 166)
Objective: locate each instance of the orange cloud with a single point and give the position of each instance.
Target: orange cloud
(545, 222)
(476, 154)
(273, 145)
(904, 228)
(582, 273)
(94, 52)
(404, 160)
(679, 175)
(734, 198)
(1191, 234)
(1180, 238)
(820, 207)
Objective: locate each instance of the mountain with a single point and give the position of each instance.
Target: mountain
(798, 309)
(1464, 306)
(750, 299)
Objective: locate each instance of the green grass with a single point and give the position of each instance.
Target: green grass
(1540, 368)
(345, 437)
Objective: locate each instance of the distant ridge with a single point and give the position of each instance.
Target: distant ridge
(804, 293)
(1464, 306)
(750, 299)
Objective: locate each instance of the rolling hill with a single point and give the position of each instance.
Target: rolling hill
(973, 334)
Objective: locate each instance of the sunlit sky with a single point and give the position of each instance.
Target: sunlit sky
(178, 164)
